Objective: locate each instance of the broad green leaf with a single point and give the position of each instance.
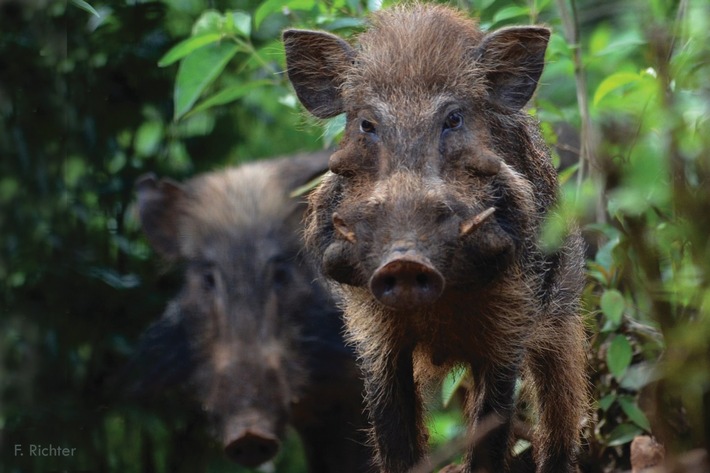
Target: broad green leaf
(211, 21)
(613, 304)
(374, 5)
(567, 174)
(86, 7)
(634, 413)
(273, 6)
(606, 401)
(510, 12)
(639, 375)
(229, 94)
(148, 137)
(307, 187)
(612, 83)
(242, 23)
(481, 5)
(618, 356)
(197, 71)
(451, 383)
(185, 47)
(623, 433)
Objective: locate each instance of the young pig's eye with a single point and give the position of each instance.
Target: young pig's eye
(367, 126)
(209, 281)
(453, 121)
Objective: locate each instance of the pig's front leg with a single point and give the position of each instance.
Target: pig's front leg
(395, 412)
(490, 411)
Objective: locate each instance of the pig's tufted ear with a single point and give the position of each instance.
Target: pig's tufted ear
(159, 204)
(513, 59)
(316, 62)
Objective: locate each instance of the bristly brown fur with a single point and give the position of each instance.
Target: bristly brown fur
(436, 134)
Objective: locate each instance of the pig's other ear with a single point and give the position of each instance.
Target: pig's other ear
(300, 170)
(315, 63)
(513, 59)
(159, 204)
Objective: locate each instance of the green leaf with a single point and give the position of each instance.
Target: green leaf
(333, 128)
(86, 7)
(606, 401)
(612, 83)
(619, 355)
(640, 375)
(613, 304)
(148, 137)
(197, 71)
(510, 12)
(635, 414)
(211, 21)
(185, 47)
(566, 174)
(307, 187)
(623, 433)
(451, 383)
(273, 6)
(242, 23)
(229, 94)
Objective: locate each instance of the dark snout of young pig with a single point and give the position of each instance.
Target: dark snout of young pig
(253, 335)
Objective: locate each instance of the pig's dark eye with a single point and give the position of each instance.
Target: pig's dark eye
(367, 126)
(281, 277)
(453, 121)
(209, 281)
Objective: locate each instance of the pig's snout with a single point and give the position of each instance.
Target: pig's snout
(406, 280)
(252, 448)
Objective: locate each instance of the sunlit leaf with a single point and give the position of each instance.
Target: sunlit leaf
(640, 375)
(510, 12)
(242, 23)
(86, 7)
(148, 137)
(197, 71)
(618, 356)
(612, 83)
(613, 304)
(211, 21)
(229, 94)
(622, 434)
(183, 48)
(273, 6)
(451, 383)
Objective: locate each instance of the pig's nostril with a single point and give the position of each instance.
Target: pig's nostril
(406, 282)
(389, 283)
(252, 449)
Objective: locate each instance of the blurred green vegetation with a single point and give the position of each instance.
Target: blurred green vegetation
(94, 94)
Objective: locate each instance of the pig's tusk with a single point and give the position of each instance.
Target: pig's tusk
(472, 224)
(343, 229)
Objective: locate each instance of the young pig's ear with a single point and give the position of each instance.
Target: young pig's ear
(159, 213)
(315, 63)
(513, 59)
(302, 169)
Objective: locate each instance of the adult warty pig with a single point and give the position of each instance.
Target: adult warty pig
(429, 223)
(262, 338)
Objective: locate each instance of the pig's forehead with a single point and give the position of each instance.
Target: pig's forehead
(415, 51)
(240, 247)
(402, 108)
